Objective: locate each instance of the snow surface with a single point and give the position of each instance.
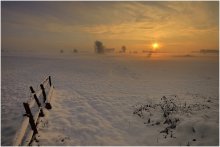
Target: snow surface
(95, 97)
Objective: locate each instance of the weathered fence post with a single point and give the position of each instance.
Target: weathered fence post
(32, 90)
(43, 92)
(31, 118)
(50, 81)
(37, 101)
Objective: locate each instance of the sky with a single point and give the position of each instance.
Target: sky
(50, 26)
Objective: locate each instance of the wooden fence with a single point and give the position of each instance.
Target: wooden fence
(40, 99)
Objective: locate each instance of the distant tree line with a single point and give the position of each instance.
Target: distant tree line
(100, 48)
(123, 49)
(74, 51)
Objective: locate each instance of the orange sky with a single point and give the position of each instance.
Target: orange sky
(51, 26)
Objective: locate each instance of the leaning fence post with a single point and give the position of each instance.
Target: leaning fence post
(31, 119)
(32, 89)
(37, 101)
(43, 92)
(50, 81)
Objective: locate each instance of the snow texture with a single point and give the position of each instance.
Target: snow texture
(96, 95)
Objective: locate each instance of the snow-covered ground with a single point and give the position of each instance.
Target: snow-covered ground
(96, 95)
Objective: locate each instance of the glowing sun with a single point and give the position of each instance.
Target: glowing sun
(155, 46)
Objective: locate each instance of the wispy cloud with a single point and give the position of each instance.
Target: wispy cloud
(192, 23)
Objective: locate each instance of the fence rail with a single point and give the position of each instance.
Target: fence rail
(23, 136)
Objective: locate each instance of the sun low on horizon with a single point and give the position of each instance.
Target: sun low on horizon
(155, 46)
(181, 26)
(107, 73)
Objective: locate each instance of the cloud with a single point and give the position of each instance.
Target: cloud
(169, 22)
